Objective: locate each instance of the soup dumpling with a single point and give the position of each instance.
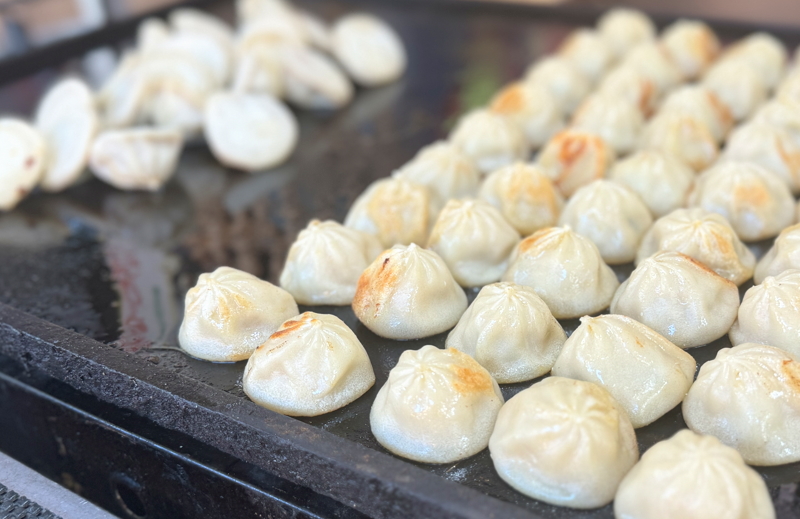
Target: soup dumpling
(490, 139)
(574, 158)
(767, 146)
(533, 108)
(692, 45)
(783, 255)
(444, 169)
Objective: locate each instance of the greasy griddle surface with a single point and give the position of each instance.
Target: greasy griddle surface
(115, 266)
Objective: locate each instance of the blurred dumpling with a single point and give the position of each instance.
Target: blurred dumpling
(318, 33)
(533, 108)
(259, 70)
(574, 158)
(696, 477)
(136, 158)
(312, 365)
(150, 33)
(614, 118)
(562, 79)
(566, 271)
(368, 48)
(680, 298)
(748, 397)
(325, 262)
(738, 86)
(565, 442)
(653, 62)
(768, 146)
(437, 406)
(692, 45)
(395, 210)
(701, 103)
(408, 293)
(313, 81)
(611, 215)
(762, 51)
(230, 313)
(770, 313)
(23, 156)
(589, 52)
(789, 87)
(755, 201)
(783, 114)
(704, 236)
(123, 95)
(525, 195)
(474, 240)
(510, 331)
(662, 181)
(783, 255)
(631, 85)
(643, 371)
(490, 139)
(444, 169)
(623, 28)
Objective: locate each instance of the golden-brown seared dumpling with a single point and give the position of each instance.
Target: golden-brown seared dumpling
(770, 313)
(533, 108)
(614, 118)
(490, 139)
(692, 45)
(704, 236)
(574, 158)
(312, 365)
(762, 51)
(510, 331)
(748, 397)
(325, 262)
(23, 156)
(562, 79)
(566, 271)
(565, 442)
(662, 181)
(408, 293)
(768, 146)
(653, 62)
(230, 313)
(680, 298)
(437, 406)
(368, 48)
(611, 215)
(628, 83)
(474, 240)
(703, 104)
(623, 28)
(755, 201)
(738, 86)
(643, 371)
(444, 169)
(525, 195)
(783, 255)
(395, 210)
(589, 52)
(684, 137)
(692, 477)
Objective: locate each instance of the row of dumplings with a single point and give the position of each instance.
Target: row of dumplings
(194, 74)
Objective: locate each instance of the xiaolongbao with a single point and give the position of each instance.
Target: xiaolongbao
(617, 120)
(562, 79)
(692, 45)
(783, 255)
(490, 139)
(533, 108)
(589, 52)
(767, 146)
(574, 158)
(624, 28)
(701, 103)
(682, 136)
(444, 169)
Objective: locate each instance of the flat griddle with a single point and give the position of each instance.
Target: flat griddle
(92, 280)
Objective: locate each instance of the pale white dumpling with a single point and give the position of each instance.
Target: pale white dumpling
(150, 33)
(623, 28)
(738, 86)
(631, 85)
(783, 255)
(408, 293)
(491, 140)
(230, 313)
(562, 79)
(762, 51)
(701, 103)
(770, 313)
(662, 181)
(692, 45)
(525, 195)
(23, 156)
(259, 71)
(437, 406)
(368, 48)
(643, 371)
(692, 477)
(564, 442)
(395, 210)
(510, 331)
(680, 298)
(325, 262)
(789, 87)
(312, 365)
(195, 21)
(444, 169)
(574, 158)
(474, 240)
(704, 236)
(316, 29)
(533, 108)
(611, 215)
(589, 52)
(768, 146)
(313, 81)
(755, 201)
(201, 50)
(614, 118)
(136, 158)
(123, 95)
(249, 131)
(67, 120)
(781, 113)
(749, 398)
(566, 271)
(653, 62)
(682, 136)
